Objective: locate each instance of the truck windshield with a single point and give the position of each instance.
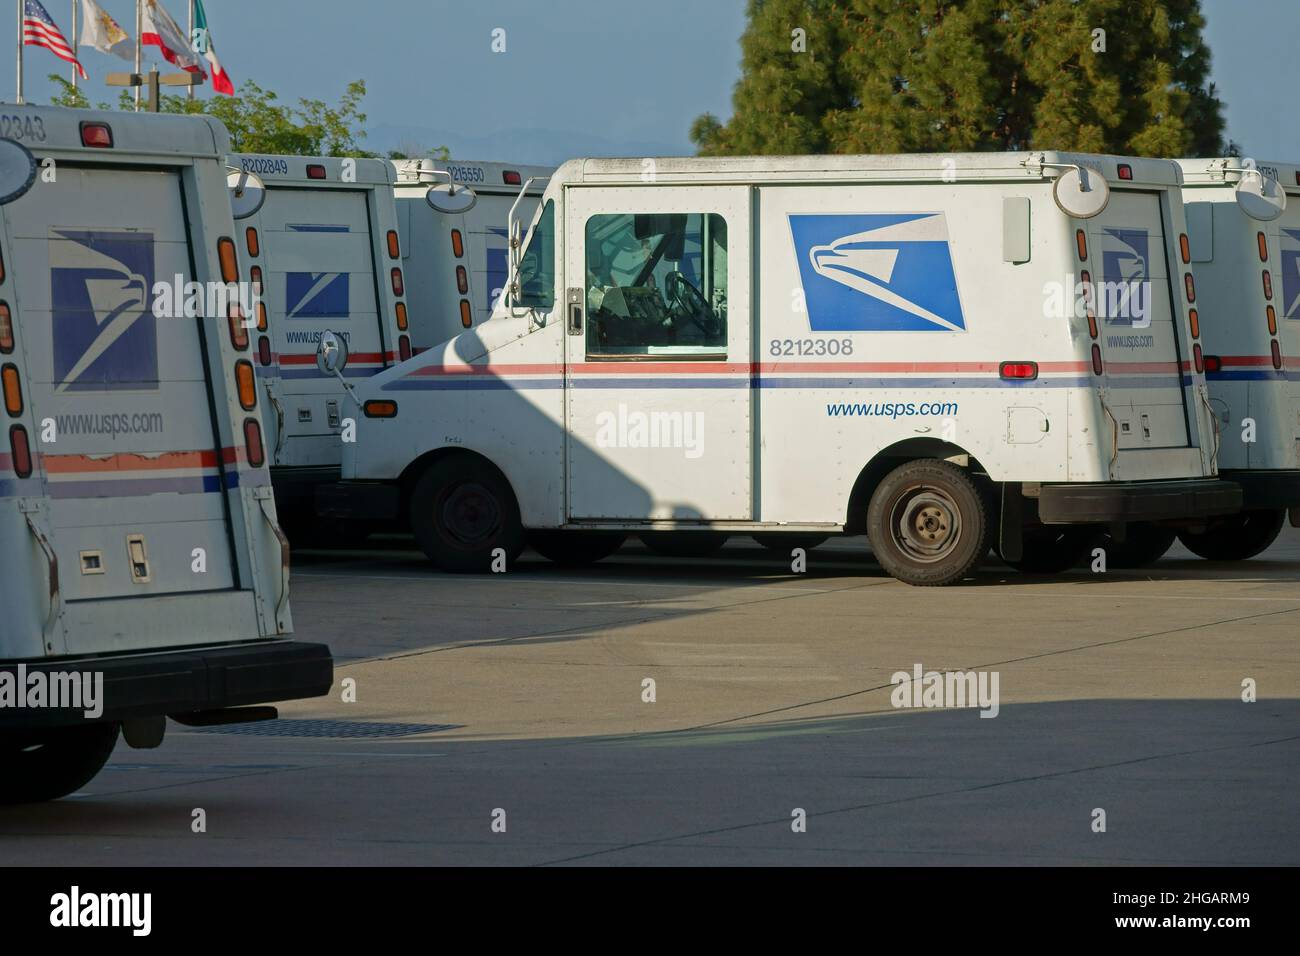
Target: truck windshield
(537, 267)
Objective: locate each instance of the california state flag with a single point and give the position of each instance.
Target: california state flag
(160, 30)
(203, 44)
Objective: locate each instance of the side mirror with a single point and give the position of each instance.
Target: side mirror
(1081, 192)
(451, 197)
(1259, 195)
(17, 170)
(331, 354)
(247, 193)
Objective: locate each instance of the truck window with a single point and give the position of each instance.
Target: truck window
(657, 285)
(537, 266)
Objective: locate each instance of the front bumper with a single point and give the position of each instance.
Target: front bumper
(174, 682)
(1266, 489)
(1136, 500)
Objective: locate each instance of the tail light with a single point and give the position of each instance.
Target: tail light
(96, 135)
(264, 350)
(255, 277)
(1184, 247)
(466, 313)
(1081, 241)
(403, 347)
(253, 443)
(1262, 241)
(401, 316)
(315, 171)
(13, 390)
(1200, 359)
(1189, 286)
(1018, 370)
(6, 329)
(1277, 354)
(397, 282)
(229, 262)
(462, 281)
(21, 451)
(1268, 284)
(238, 331)
(512, 178)
(1272, 319)
(1096, 360)
(377, 408)
(1125, 171)
(1194, 320)
(1213, 364)
(457, 243)
(394, 251)
(246, 385)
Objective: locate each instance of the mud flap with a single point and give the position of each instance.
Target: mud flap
(1012, 522)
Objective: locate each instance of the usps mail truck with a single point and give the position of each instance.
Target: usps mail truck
(454, 242)
(319, 241)
(143, 573)
(943, 352)
(1243, 224)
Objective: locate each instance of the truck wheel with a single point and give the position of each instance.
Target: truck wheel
(928, 523)
(572, 549)
(1237, 537)
(46, 764)
(1051, 549)
(1143, 544)
(784, 541)
(464, 514)
(684, 544)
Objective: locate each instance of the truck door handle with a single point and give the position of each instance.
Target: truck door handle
(575, 311)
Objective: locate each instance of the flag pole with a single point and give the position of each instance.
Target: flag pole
(139, 25)
(19, 98)
(75, 43)
(190, 91)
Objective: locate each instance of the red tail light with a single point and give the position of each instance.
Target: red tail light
(1189, 286)
(1018, 370)
(315, 171)
(264, 350)
(1268, 284)
(1096, 360)
(238, 333)
(96, 135)
(21, 452)
(403, 347)
(397, 282)
(6, 329)
(462, 280)
(512, 178)
(1213, 364)
(1277, 354)
(1200, 359)
(253, 442)
(1125, 171)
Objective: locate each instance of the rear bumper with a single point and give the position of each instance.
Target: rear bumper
(1275, 489)
(1137, 501)
(176, 682)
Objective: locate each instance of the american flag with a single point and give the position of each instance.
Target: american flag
(39, 30)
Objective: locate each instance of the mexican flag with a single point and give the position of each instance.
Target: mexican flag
(202, 43)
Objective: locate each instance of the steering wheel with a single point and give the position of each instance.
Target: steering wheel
(687, 302)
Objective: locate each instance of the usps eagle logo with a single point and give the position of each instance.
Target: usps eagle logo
(886, 272)
(105, 333)
(1291, 273)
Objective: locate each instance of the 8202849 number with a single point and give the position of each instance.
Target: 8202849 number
(810, 347)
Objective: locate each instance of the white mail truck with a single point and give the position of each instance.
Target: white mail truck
(1243, 223)
(454, 242)
(143, 573)
(319, 241)
(945, 352)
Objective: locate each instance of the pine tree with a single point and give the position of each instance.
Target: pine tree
(1120, 76)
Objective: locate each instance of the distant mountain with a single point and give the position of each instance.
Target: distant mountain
(546, 147)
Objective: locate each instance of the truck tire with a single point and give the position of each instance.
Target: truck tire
(574, 549)
(784, 541)
(36, 766)
(928, 523)
(1236, 537)
(1144, 543)
(684, 544)
(1051, 549)
(464, 515)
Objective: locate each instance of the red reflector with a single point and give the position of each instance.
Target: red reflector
(96, 135)
(462, 280)
(512, 178)
(1200, 359)
(6, 329)
(404, 347)
(253, 442)
(1023, 370)
(315, 171)
(1213, 363)
(1189, 286)
(238, 331)
(1277, 355)
(1268, 285)
(397, 282)
(264, 350)
(21, 452)
(1125, 171)
(1096, 359)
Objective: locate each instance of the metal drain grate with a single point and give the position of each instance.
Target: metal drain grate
(324, 728)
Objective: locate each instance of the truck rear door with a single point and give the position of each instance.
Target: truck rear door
(119, 387)
(1145, 373)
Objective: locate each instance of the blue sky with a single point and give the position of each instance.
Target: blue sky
(586, 77)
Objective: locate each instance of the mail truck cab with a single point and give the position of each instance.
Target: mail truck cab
(319, 242)
(944, 352)
(454, 242)
(1243, 222)
(139, 543)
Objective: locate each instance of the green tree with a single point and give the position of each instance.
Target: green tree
(1121, 76)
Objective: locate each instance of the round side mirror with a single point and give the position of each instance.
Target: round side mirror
(1260, 196)
(17, 170)
(331, 353)
(1081, 192)
(247, 193)
(451, 197)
